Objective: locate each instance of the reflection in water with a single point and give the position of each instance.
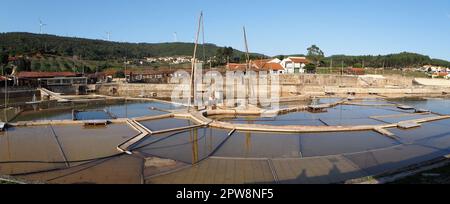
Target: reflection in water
(194, 141)
(248, 140)
(184, 146)
(63, 111)
(194, 145)
(279, 145)
(339, 115)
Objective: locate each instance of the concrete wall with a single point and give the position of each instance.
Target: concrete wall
(345, 80)
(291, 84)
(134, 90)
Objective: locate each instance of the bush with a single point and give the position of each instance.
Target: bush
(119, 74)
(310, 68)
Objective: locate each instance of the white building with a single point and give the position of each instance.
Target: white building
(294, 64)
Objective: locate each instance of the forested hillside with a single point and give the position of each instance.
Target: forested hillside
(28, 43)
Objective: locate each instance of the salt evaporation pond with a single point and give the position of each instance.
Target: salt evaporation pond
(119, 109)
(78, 154)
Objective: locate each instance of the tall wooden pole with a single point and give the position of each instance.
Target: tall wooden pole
(194, 60)
(247, 68)
(6, 95)
(246, 51)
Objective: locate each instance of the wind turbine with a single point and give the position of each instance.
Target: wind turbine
(108, 35)
(175, 37)
(41, 25)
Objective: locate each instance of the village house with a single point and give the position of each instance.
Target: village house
(434, 69)
(148, 76)
(294, 65)
(35, 79)
(290, 65)
(271, 66)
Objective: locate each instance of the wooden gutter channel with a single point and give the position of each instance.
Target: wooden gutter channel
(200, 118)
(144, 131)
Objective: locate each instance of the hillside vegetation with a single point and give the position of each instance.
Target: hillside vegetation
(400, 60)
(56, 53)
(25, 43)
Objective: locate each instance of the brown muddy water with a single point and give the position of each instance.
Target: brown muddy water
(76, 154)
(91, 110)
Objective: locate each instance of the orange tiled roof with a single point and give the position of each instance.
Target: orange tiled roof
(260, 63)
(299, 60)
(45, 74)
(236, 67)
(440, 74)
(256, 65)
(273, 66)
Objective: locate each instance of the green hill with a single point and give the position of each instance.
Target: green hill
(56, 53)
(29, 43)
(399, 60)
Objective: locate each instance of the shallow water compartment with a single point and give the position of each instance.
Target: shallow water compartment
(188, 146)
(92, 115)
(276, 145)
(164, 124)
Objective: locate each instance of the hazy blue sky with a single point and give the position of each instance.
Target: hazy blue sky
(350, 27)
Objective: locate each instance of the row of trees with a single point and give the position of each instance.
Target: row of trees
(400, 60)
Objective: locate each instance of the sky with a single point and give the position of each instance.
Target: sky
(351, 27)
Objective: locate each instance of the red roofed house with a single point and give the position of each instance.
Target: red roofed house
(272, 66)
(50, 79)
(294, 64)
(34, 75)
(236, 67)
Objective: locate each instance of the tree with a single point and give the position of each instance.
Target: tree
(315, 54)
(3, 58)
(3, 61)
(357, 65)
(310, 68)
(225, 54)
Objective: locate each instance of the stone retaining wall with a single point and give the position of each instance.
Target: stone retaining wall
(291, 84)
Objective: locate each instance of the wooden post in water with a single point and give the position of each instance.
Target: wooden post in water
(192, 95)
(247, 68)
